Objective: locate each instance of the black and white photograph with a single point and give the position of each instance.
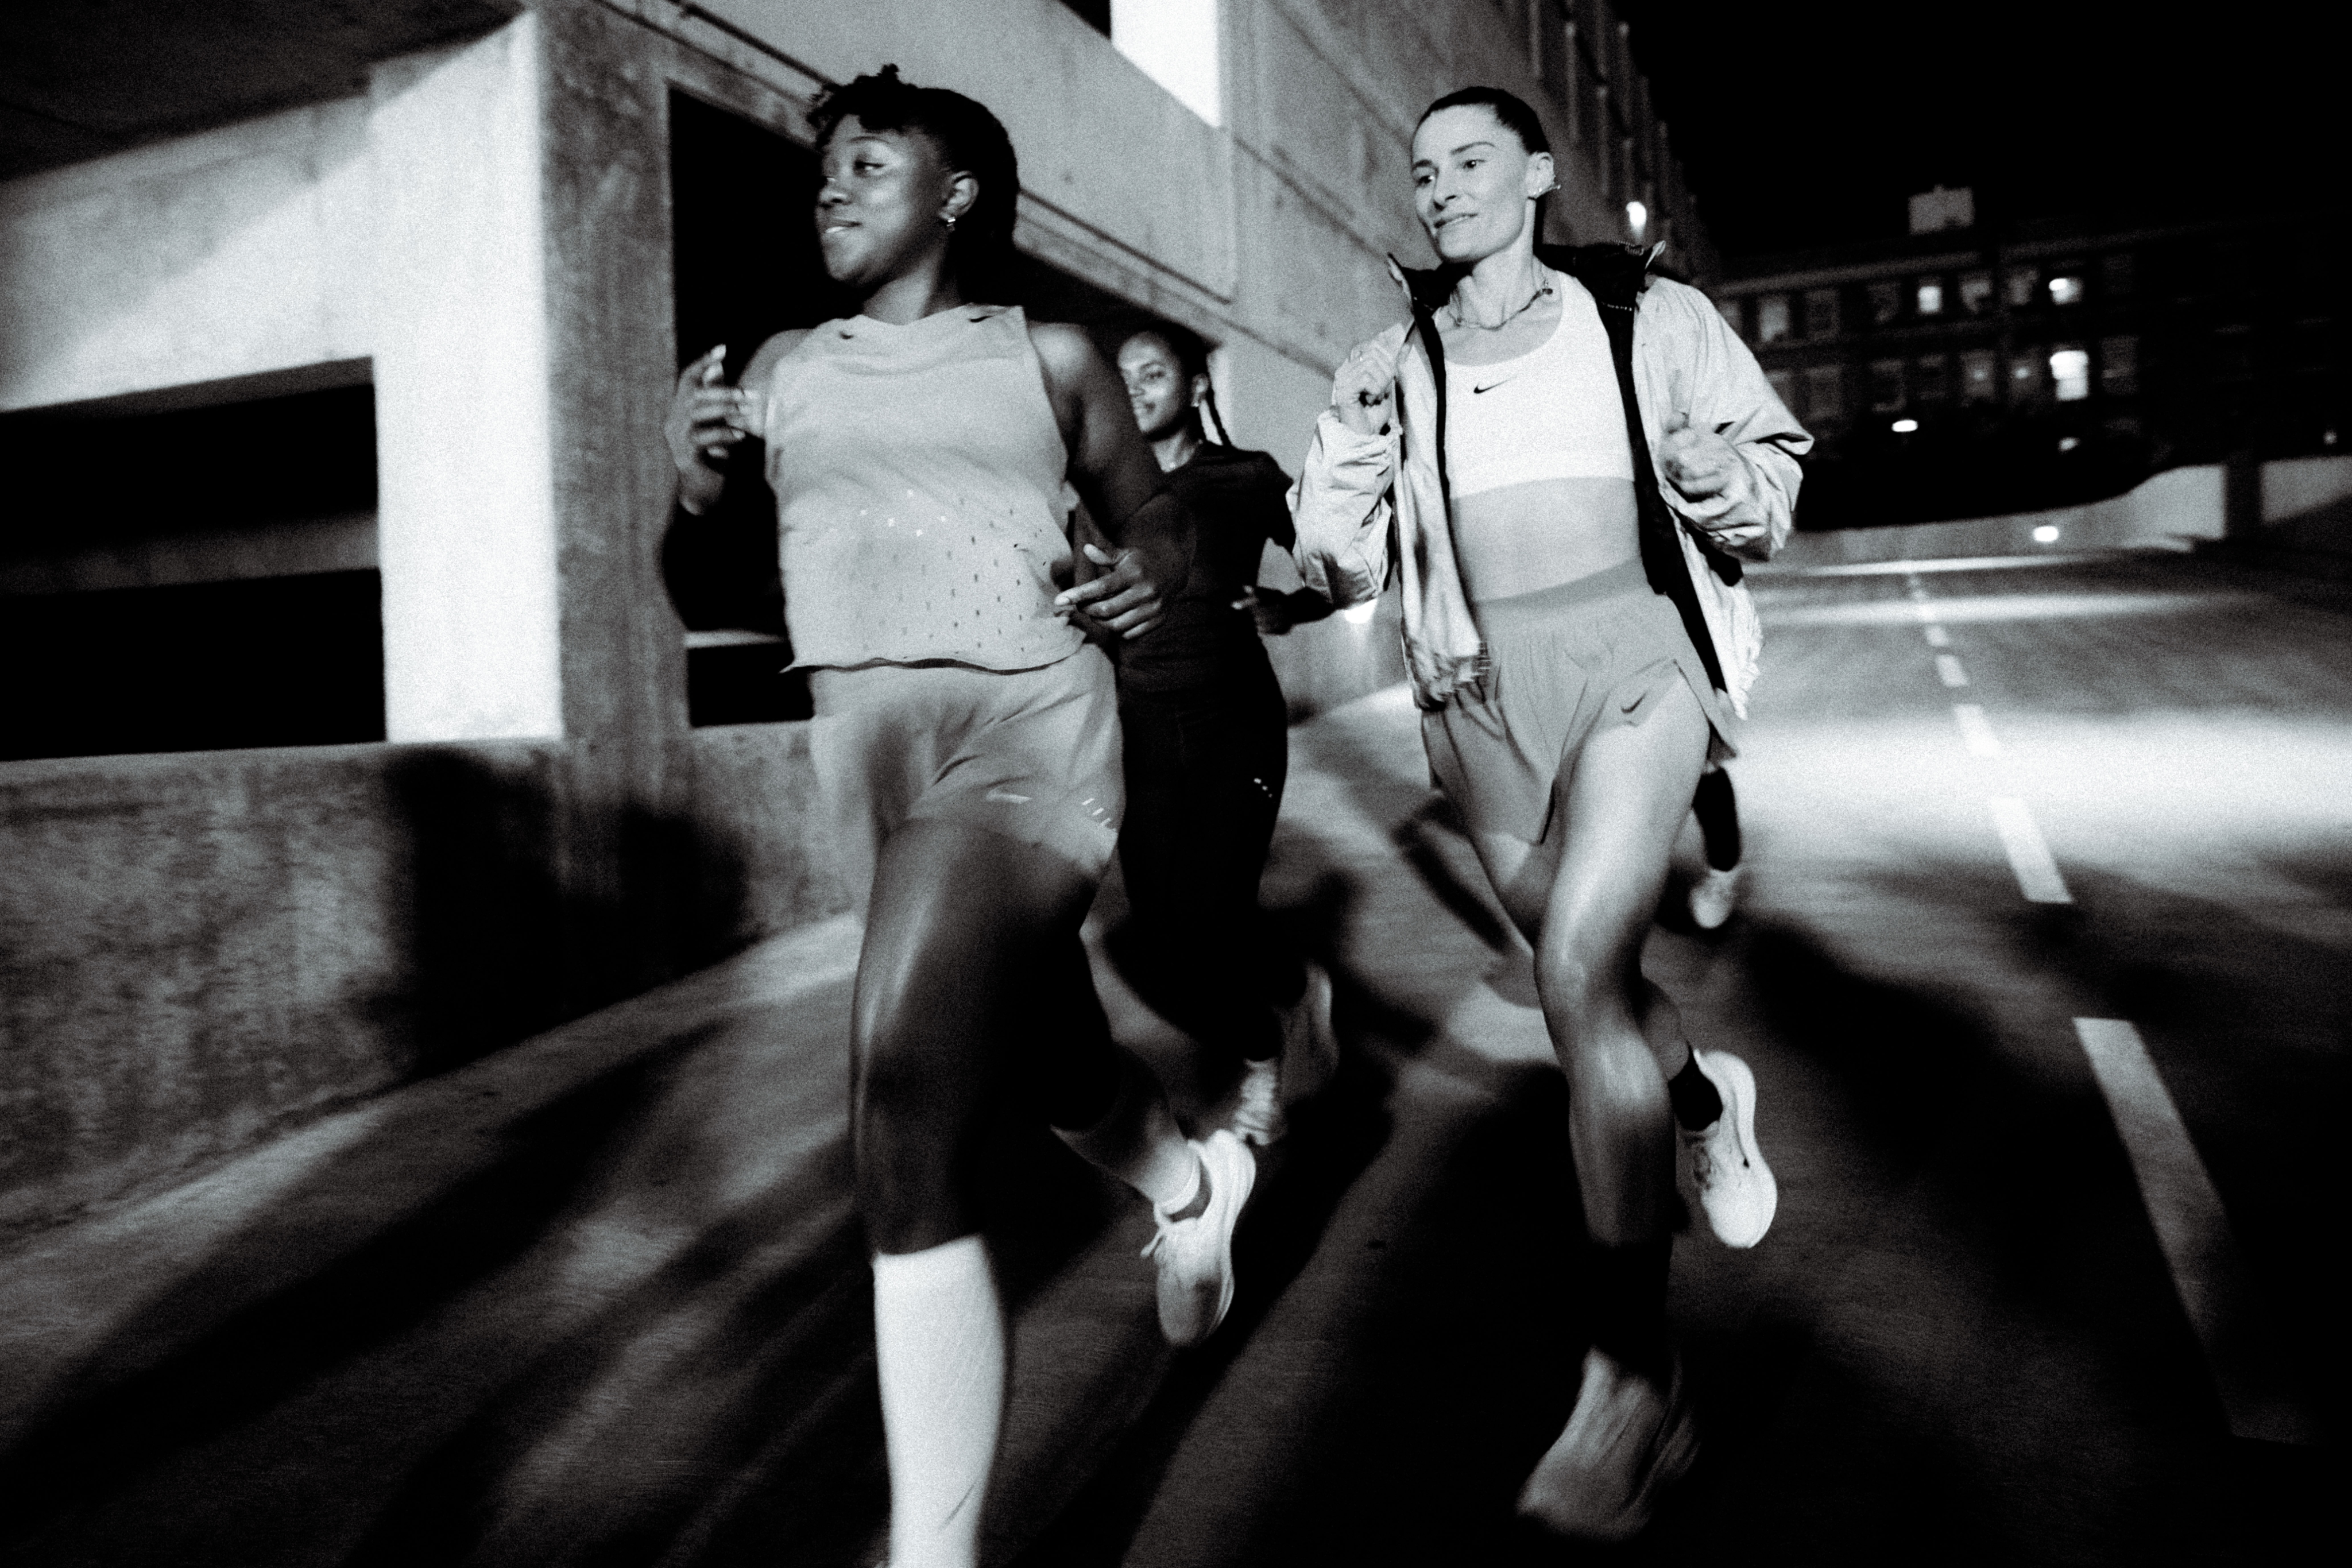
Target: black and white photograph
(1173, 783)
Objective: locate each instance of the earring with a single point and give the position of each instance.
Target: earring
(949, 219)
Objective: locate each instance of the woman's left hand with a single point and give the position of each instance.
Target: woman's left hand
(1123, 600)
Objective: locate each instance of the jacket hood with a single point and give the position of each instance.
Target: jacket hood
(1616, 274)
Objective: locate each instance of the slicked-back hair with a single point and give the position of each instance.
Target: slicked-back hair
(1508, 108)
(1517, 118)
(971, 141)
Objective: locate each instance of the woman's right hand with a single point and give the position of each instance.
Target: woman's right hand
(707, 418)
(1364, 389)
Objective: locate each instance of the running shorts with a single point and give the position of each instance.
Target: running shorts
(1563, 664)
(1030, 753)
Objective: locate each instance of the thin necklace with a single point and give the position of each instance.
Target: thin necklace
(1455, 304)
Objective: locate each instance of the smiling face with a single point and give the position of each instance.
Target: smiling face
(1157, 387)
(880, 206)
(1474, 184)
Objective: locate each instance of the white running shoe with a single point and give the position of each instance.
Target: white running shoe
(1713, 897)
(1258, 1116)
(1726, 1170)
(1626, 1441)
(1195, 1256)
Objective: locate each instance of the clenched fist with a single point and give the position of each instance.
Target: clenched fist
(1364, 391)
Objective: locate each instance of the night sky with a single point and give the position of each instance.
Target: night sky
(1809, 123)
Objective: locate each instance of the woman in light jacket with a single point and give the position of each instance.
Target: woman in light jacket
(1569, 460)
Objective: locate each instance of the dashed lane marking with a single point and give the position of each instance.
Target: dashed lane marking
(1948, 670)
(2028, 856)
(1937, 636)
(1975, 730)
(2210, 1274)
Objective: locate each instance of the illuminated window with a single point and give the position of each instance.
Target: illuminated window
(1734, 313)
(2018, 288)
(1784, 386)
(2070, 373)
(1825, 395)
(2120, 366)
(1930, 298)
(1885, 385)
(1978, 384)
(2025, 383)
(1976, 293)
(2066, 289)
(1175, 42)
(1821, 313)
(1885, 302)
(1771, 317)
(1931, 379)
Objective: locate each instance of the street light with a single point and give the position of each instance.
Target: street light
(1904, 426)
(1637, 218)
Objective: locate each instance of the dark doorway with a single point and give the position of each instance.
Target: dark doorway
(746, 267)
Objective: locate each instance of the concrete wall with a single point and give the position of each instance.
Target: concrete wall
(200, 950)
(2307, 519)
(2170, 510)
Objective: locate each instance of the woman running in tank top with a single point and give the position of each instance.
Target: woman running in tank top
(1570, 471)
(967, 734)
(1207, 743)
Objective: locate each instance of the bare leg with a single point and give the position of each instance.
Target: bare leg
(967, 970)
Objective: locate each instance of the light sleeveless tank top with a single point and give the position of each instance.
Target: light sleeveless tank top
(916, 471)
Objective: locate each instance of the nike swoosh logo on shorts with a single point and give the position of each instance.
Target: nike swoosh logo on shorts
(1490, 386)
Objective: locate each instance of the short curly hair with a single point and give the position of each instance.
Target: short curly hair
(971, 140)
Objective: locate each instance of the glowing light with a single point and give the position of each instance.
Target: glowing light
(2047, 534)
(2066, 290)
(2071, 369)
(1358, 614)
(1904, 426)
(1637, 217)
(1931, 299)
(2068, 443)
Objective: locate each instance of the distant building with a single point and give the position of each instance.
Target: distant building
(1955, 374)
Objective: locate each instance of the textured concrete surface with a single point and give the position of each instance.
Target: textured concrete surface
(199, 951)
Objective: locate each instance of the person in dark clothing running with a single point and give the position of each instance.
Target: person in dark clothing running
(1716, 891)
(1207, 743)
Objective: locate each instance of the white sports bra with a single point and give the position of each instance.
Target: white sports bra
(1555, 413)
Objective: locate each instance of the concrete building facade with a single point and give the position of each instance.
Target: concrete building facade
(357, 738)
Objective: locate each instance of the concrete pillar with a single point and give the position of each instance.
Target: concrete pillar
(466, 509)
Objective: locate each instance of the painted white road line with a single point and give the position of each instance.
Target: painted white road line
(1925, 613)
(1948, 670)
(2028, 856)
(1937, 636)
(2242, 1346)
(1981, 741)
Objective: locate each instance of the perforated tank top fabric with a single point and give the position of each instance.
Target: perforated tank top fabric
(916, 471)
(1554, 413)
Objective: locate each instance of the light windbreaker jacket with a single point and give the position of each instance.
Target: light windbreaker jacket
(1681, 360)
